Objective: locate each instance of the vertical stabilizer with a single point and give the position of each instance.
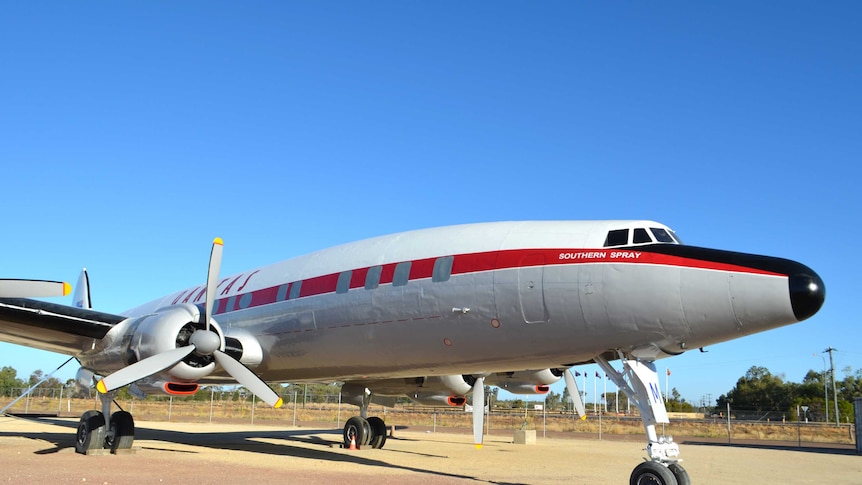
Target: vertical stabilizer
(82, 291)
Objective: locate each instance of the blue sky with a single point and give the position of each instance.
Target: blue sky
(131, 134)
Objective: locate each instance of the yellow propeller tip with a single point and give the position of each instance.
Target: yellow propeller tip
(279, 403)
(67, 288)
(218, 241)
(100, 386)
(478, 446)
(584, 417)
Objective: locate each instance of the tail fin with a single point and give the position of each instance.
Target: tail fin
(82, 291)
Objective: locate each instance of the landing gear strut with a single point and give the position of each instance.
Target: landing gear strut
(639, 381)
(95, 433)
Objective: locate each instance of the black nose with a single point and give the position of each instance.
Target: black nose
(806, 294)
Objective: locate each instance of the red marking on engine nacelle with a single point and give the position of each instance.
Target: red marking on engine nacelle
(456, 400)
(181, 388)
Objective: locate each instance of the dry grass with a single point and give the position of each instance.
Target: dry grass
(241, 411)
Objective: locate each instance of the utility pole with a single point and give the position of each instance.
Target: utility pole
(834, 389)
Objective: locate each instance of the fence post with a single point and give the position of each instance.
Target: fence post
(857, 404)
(294, 408)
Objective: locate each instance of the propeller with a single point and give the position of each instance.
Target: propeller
(478, 411)
(11, 288)
(203, 342)
(574, 393)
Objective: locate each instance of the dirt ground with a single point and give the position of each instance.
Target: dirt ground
(42, 451)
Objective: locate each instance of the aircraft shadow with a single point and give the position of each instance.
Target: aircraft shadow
(240, 441)
(826, 449)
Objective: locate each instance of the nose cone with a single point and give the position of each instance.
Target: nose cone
(807, 293)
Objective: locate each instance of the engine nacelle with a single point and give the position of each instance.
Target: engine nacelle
(525, 382)
(356, 394)
(435, 399)
(429, 391)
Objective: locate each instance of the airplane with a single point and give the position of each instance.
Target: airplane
(434, 314)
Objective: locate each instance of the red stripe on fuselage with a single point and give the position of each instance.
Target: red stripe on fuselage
(491, 261)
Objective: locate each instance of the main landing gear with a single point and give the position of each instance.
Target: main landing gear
(639, 381)
(365, 431)
(95, 434)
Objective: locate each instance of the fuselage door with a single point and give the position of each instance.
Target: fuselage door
(531, 288)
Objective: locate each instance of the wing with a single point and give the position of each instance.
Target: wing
(48, 326)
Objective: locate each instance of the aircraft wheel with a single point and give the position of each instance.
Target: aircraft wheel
(369, 433)
(355, 427)
(91, 432)
(378, 432)
(652, 473)
(123, 432)
(679, 472)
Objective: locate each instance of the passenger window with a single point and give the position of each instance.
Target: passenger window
(617, 237)
(295, 288)
(372, 278)
(641, 236)
(343, 282)
(661, 235)
(442, 269)
(402, 274)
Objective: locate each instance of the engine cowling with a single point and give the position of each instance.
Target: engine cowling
(166, 329)
(525, 382)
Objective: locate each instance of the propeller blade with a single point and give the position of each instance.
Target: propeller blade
(478, 411)
(247, 378)
(212, 279)
(144, 368)
(575, 394)
(12, 288)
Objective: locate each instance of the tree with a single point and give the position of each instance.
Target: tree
(761, 392)
(9, 381)
(677, 404)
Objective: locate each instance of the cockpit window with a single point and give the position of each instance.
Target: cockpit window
(662, 235)
(617, 237)
(641, 236)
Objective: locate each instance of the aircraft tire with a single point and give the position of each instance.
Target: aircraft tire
(679, 472)
(357, 428)
(378, 432)
(366, 440)
(123, 427)
(652, 473)
(91, 432)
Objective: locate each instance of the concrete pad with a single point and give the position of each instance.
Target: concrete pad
(42, 451)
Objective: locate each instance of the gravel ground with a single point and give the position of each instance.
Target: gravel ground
(42, 451)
